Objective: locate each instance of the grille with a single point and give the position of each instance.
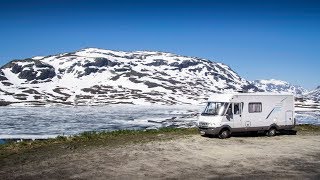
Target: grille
(203, 124)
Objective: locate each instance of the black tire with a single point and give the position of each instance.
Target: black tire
(224, 133)
(271, 132)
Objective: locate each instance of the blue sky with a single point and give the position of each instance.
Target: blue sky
(258, 39)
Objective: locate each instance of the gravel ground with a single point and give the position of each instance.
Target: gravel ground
(191, 157)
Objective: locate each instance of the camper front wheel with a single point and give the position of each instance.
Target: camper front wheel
(271, 132)
(224, 133)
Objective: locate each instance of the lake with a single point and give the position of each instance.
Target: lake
(44, 122)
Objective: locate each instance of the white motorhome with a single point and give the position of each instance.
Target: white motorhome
(226, 114)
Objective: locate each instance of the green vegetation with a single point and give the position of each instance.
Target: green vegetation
(307, 128)
(91, 139)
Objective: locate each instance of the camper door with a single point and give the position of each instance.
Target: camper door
(234, 114)
(237, 113)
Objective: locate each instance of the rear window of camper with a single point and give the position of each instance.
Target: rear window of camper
(255, 107)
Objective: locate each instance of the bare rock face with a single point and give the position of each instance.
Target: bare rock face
(2, 76)
(30, 69)
(101, 62)
(110, 77)
(32, 74)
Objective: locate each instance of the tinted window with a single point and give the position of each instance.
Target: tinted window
(255, 107)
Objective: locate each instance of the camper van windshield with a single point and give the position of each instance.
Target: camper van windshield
(215, 108)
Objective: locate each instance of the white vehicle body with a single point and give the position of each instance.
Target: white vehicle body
(242, 112)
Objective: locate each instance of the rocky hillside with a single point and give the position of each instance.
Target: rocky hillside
(93, 76)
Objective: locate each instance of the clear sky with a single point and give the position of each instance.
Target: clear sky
(259, 39)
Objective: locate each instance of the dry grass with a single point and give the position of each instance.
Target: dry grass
(87, 139)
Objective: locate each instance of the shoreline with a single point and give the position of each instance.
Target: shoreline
(20, 138)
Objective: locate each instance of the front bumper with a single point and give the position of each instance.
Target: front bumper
(209, 131)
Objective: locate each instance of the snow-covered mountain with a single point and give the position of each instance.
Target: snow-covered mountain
(314, 94)
(94, 75)
(273, 85)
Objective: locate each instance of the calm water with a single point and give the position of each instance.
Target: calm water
(43, 122)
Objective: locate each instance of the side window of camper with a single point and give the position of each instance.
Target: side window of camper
(236, 108)
(255, 107)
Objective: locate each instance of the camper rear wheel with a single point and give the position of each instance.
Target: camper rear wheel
(224, 133)
(271, 132)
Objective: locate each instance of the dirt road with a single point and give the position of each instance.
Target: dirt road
(192, 157)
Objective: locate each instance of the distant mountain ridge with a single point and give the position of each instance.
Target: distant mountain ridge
(279, 86)
(314, 94)
(273, 85)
